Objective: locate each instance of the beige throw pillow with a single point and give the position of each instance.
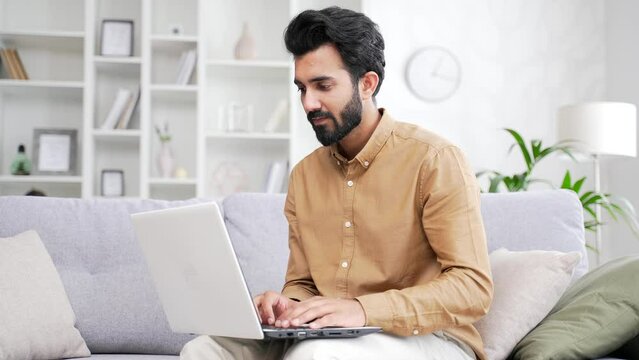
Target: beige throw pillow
(527, 284)
(36, 319)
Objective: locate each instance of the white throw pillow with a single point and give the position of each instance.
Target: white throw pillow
(36, 319)
(527, 285)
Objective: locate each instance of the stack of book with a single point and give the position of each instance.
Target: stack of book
(185, 69)
(12, 64)
(275, 179)
(122, 109)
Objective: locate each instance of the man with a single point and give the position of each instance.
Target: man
(384, 220)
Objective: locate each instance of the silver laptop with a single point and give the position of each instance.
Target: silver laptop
(199, 280)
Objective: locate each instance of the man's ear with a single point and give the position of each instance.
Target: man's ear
(368, 84)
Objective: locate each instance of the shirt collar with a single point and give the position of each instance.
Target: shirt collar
(379, 137)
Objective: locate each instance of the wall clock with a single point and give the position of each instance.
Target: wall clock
(433, 73)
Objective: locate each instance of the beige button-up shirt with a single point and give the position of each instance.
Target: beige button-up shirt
(398, 228)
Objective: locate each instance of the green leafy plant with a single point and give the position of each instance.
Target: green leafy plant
(615, 206)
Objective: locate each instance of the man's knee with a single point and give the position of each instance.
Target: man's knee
(203, 347)
(317, 350)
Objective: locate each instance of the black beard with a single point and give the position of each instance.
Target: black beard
(351, 117)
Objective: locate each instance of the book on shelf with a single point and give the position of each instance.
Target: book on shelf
(127, 114)
(12, 64)
(186, 66)
(21, 71)
(7, 63)
(277, 116)
(276, 175)
(122, 98)
(4, 61)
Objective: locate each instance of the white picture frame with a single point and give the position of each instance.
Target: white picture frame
(116, 38)
(112, 182)
(54, 151)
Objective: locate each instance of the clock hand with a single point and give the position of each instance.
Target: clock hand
(444, 77)
(437, 66)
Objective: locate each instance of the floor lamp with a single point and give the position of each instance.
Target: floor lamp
(599, 128)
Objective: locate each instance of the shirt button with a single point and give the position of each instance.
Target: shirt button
(345, 264)
(348, 224)
(339, 163)
(366, 163)
(350, 183)
(415, 332)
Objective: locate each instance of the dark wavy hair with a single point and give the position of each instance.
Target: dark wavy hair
(356, 37)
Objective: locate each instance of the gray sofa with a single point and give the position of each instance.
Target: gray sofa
(118, 312)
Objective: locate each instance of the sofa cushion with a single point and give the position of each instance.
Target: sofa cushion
(595, 316)
(527, 284)
(36, 319)
(536, 220)
(93, 247)
(259, 233)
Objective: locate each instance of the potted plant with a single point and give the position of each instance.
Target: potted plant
(615, 206)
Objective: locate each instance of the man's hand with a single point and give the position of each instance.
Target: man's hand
(321, 312)
(271, 305)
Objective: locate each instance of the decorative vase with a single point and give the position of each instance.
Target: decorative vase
(165, 160)
(21, 165)
(245, 46)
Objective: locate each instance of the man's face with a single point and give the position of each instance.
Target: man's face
(329, 97)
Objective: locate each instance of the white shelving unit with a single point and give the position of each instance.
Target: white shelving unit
(72, 86)
(50, 43)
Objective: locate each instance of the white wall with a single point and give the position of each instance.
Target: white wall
(520, 61)
(622, 174)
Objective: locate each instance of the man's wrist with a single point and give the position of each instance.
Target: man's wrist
(363, 311)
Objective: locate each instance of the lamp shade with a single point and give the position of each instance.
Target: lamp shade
(605, 128)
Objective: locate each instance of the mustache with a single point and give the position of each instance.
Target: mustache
(319, 114)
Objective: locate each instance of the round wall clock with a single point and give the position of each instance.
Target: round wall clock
(433, 73)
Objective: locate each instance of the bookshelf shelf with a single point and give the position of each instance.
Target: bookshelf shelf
(124, 134)
(41, 87)
(169, 43)
(46, 84)
(249, 69)
(174, 38)
(118, 60)
(268, 64)
(172, 181)
(38, 179)
(174, 88)
(43, 39)
(248, 136)
(77, 35)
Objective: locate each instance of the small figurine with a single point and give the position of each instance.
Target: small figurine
(21, 165)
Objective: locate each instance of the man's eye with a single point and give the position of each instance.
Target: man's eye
(301, 90)
(324, 87)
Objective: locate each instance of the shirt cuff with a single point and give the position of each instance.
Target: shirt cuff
(296, 292)
(378, 310)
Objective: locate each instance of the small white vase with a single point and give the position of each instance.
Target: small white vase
(165, 160)
(245, 46)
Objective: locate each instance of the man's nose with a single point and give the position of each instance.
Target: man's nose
(310, 102)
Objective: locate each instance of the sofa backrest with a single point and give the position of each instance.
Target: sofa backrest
(536, 220)
(93, 247)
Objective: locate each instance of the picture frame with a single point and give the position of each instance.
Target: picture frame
(112, 182)
(116, 37)
(55, 151)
